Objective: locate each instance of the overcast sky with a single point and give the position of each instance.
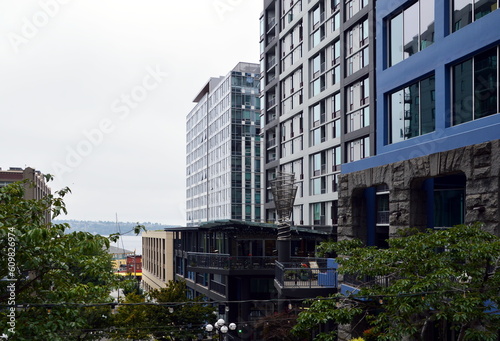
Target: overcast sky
(96, 92)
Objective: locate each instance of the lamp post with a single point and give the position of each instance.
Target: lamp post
(220, 328)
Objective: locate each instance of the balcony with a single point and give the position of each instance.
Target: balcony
(225, 263)
(306, 276)
(351, 284)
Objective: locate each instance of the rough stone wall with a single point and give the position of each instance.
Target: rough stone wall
(480, 163)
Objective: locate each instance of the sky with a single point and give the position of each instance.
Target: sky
(96, 93)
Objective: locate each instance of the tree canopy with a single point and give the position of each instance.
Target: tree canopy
(174, 315)
(424, 283)
(49, 273)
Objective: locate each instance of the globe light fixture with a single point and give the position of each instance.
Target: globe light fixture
(220, 328)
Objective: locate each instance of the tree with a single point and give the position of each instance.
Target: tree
(50, 274)
(169, 314)
(277, 327)
(432, 281)
(131, 321)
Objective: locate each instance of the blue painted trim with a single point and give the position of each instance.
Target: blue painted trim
(436, 59)
(474, 132)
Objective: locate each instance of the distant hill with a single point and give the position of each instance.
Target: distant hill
(108, 227)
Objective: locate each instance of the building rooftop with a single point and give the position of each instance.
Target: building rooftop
(227, 224)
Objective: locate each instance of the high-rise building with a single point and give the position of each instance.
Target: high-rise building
(223, 149)
(438, 127)
(317, 97)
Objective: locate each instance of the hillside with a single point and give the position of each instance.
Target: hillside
(108, 227)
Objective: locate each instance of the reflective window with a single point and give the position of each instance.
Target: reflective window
(466, 11)
(411, 30)
(475, 87)
(412, 110)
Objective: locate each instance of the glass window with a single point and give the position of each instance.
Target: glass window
(475, 87)
(396, 39)
(466, 11)
(336, 129)
(411, 110)
(426, 23)
(411, 30)
(337, 156)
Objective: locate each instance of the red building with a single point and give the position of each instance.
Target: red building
(134, 265)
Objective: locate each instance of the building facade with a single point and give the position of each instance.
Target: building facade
(157, 259)
(317, 96)
(233, 263)
(223, 149)
(36, 189)
(438, 127)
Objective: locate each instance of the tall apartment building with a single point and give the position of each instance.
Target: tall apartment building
(438, 127)
(223, 149)
(318, 98)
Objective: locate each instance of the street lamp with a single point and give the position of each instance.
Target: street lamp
(220, 328)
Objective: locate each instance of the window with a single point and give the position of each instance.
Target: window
(336, 158)
(354, 6)
(318, 185)
(318, 64)
(318, 136)
(318, 114)
(318, 163)
(336, 52)
(411, 30)
(318, 213)
(336, 75)
(318, 36)
(358, 95)
(336, 128)
(358, 119)
(336, 21)
(475, 87)
(412, 110)
(466, 11)
(358, 149)
(336, 105)
(318, 85)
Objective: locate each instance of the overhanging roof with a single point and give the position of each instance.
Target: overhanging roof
(230, 224)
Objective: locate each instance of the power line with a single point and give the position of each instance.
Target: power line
(223, 302)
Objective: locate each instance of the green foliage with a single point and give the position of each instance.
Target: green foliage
(131, 285)
(50, 267)
(131, 321)
(446, 279)
(172, 317)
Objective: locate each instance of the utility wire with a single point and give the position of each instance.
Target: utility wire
(280, 300)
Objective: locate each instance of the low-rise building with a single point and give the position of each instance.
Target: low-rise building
(234, 264)
(158, 264)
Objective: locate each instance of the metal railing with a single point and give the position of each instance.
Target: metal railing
(365, 281)
(300, 273)
(228, 262)
(218, 287)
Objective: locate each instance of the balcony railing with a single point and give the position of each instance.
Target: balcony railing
(307, 273)
(227, 262)
(218, 287)
(364, 281)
